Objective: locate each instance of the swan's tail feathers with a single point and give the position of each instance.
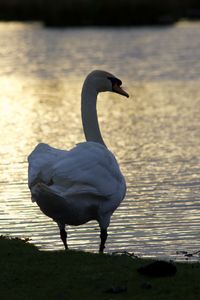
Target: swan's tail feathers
(41, 190)
(37, 190)
(48, 200)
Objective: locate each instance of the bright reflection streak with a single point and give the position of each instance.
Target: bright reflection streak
(5, 107)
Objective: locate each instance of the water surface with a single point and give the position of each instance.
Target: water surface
(154, 134)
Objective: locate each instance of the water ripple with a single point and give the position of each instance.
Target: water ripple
(155, 134)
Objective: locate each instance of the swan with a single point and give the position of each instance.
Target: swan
(85, 183)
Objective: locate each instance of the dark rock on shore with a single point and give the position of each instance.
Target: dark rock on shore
(158, 269)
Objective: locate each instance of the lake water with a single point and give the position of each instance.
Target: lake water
(155, 134)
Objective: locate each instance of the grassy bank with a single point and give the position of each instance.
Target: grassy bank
(99, 12)
(27, 273)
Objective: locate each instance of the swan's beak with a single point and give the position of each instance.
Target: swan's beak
(117, 89)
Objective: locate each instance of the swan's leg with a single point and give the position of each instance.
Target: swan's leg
(103, 236)
(63, 235)
(104, 222)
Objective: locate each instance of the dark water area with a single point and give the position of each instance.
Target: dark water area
(100, 12)
(154, 134)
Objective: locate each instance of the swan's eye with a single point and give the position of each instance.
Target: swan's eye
(115, 81)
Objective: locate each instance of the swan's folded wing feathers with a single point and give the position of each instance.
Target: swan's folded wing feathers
(89, 164)
(87, 168)
(40, 162)
(74, 189)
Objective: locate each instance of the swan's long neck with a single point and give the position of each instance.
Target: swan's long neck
(89, 114)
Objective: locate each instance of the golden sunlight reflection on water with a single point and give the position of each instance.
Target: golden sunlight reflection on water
(154, 134)
(148, 135)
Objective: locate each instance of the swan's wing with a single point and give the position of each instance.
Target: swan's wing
(89, 167)
(40, 162)
(73, 190)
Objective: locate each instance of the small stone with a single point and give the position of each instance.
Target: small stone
(146, 285)
(117, 289)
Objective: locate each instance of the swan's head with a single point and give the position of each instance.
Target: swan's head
(103, 81)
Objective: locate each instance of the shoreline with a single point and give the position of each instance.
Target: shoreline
(29, 273)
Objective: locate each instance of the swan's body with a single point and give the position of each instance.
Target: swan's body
(85, 183)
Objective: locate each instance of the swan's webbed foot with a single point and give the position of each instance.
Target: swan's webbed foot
(103, 237)
(63, 236)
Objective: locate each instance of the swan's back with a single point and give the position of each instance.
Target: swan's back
(88, 168)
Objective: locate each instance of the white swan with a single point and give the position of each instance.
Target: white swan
(85, 183)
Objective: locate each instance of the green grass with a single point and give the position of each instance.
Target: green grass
(27, 273)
